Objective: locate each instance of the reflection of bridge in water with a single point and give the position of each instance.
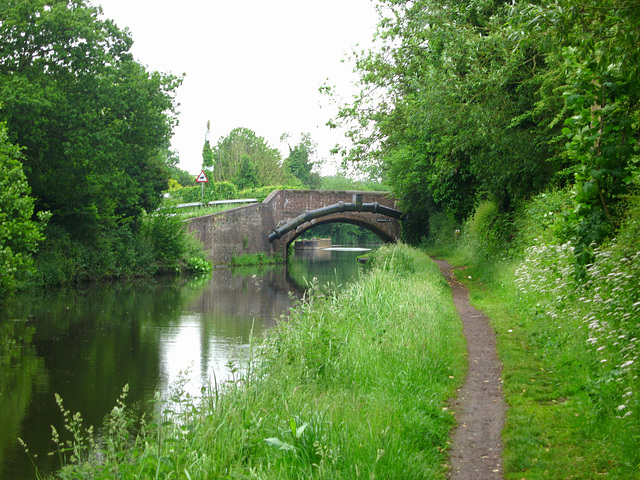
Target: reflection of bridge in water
(269, 227)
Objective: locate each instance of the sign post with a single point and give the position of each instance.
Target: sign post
(202, 179)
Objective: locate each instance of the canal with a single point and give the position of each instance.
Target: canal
(86, 344)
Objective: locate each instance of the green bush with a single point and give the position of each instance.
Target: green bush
(19, 235)
(342, 182)
(488, 234)
(261, 193)
(53, 263)
(444, 234)
(223, 191)
(161, 244)
(116, 253)
(173, 248)
(197, 265)
(212, 192)
(165, 234)
(541, 219)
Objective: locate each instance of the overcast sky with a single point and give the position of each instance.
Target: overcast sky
(249, 63)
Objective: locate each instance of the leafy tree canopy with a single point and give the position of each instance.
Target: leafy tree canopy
(468, 99)
(596, 48)
(18, 233)
(247, 177)
(94, 123)
(300, 162)
(229, 151)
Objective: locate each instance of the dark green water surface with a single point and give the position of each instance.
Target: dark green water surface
(86, 344)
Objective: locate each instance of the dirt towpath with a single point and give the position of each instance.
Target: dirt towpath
(479, 407)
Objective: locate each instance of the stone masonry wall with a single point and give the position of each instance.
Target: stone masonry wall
(245, 230)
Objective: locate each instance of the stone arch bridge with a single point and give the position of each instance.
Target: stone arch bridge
(270, 226)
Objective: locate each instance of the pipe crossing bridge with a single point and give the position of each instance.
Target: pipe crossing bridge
(272, 225)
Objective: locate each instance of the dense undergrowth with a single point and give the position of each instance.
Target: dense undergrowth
(567, 336)
(159, 245)
(353, 384)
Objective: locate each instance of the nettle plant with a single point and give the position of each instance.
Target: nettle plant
(600, 310)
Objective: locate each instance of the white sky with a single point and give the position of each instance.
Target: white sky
(249, 63)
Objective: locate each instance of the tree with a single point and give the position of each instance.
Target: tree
(207, 153)
(247, 177)
(596, 48)
(94, 123)
(240, 142)
(449, 107)
(19, 235)
(300, 162)
(486, 98)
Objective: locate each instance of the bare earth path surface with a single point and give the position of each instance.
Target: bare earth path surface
(476, 444)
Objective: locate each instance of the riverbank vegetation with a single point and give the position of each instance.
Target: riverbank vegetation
(255, 259)
(510, 133)
(354, 384)
(88, 128)
(568, 337)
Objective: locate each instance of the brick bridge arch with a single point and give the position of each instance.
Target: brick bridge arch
(270, 226)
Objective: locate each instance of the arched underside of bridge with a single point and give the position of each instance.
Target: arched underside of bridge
(384, 236)
(386, 228)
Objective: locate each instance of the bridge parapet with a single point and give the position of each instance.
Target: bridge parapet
(245, 230)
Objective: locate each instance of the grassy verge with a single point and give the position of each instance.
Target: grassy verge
(563, 419)
(569, 346)
(353, 385)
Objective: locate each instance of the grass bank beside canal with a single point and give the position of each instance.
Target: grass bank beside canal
(568, 339)
(569, 374)
(353, 385)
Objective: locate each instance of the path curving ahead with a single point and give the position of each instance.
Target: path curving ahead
(479, 407)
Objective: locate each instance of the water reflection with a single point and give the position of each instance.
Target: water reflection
(334, 266)
(234, 305)
(21, 370)
(87, 344)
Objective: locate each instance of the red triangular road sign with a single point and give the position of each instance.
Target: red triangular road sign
(202, 178)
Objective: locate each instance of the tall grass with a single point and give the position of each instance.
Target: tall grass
(352, 385)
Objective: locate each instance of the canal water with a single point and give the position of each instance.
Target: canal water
(86, 344)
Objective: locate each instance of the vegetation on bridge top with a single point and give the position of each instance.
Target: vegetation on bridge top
(228, 191)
